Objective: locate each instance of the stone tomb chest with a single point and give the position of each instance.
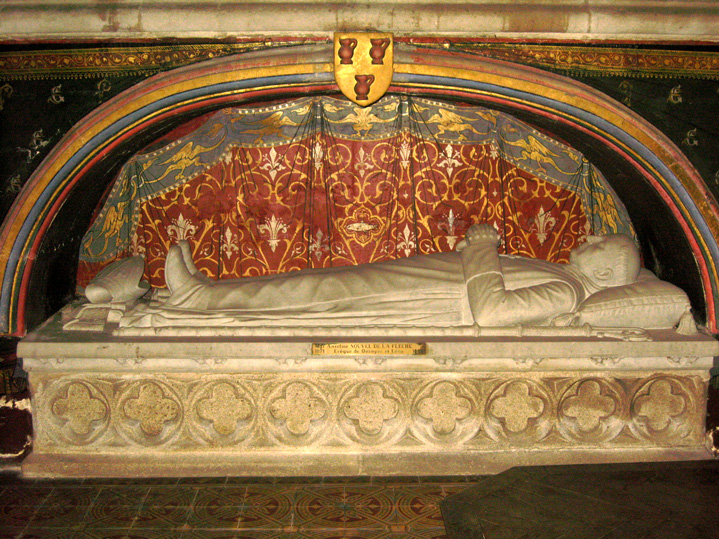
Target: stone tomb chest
(336, 403)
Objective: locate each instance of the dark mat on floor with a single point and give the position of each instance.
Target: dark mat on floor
(678, 500)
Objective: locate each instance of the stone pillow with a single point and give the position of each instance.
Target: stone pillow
(648, 303)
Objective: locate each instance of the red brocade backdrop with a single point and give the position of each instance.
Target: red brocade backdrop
(321, 182)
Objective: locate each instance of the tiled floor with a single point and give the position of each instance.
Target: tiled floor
(671, 500)
(308, 508)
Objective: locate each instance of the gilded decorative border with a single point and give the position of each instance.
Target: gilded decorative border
(119, 61)
(576, 60)
(598, 61)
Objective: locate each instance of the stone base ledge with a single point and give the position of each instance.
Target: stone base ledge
(339, 465)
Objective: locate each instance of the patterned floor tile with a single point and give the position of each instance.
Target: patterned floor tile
(102, 534)
(47, 533)
(10, 532)
(209, 517)
(261, 495)
(222, 495)
(23, 495)
(161, 517)
(132, 534)
(67, 495)
(179, 495)
(128, 495)
(59, 516)
(269, 516)
(419, 515)
(16, 515)
(111, 516)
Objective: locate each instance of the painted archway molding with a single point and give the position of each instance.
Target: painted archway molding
(290, 72)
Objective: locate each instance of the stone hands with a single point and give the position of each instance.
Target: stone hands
(479, 233)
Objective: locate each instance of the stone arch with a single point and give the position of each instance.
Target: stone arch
(662, 190)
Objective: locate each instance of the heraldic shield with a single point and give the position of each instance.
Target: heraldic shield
(364, 64)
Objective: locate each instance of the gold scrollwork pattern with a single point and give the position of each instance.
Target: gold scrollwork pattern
(412, 411)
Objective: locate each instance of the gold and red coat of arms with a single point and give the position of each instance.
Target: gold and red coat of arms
(363, 65)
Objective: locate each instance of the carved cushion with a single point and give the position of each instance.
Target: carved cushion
(648, 303)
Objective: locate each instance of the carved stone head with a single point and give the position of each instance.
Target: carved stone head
(611, 260)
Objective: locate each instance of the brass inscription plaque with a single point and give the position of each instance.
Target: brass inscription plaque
(370, 348)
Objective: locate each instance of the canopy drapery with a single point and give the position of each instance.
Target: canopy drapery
(320, 182)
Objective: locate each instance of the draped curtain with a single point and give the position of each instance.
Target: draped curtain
(321, 182)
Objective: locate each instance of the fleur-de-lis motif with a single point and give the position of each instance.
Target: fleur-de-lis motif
(444, 407)
(407, 242)
(318, 154)
(450, 159)
(151, 408)
(517, 407)
(298, 408)
(675, 95)
(224, 408)
(273, 163)
(229, 244)
(542, 224)
(370, 408)
(405, 152)
(137, 244)
(273, 227)
(493, 149)
(79, 408)
(363, 164)
(181, 229)
(449, 225)
(317, 246)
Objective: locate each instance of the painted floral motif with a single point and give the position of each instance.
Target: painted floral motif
(229, 244)
(449, 159)
(444, 407)
(298, 408)
(79, 408)
(151, 408)
(517, 407)
(181, 229)
(273, 227)
(273, 163)
(407, 243)
(370, 408)
(224, 408)
(589, 407)
(363, 164)
(659, 405)
(542, 224)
